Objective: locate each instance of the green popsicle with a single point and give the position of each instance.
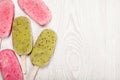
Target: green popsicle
(22, 38)
(43, 50)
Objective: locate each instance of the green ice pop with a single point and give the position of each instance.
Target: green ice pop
(43, 50)
(22, 38)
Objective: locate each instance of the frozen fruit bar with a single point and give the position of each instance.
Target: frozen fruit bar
(42, 50)
(6, 17)
(37, 10)
(9, 65)
(22, 38)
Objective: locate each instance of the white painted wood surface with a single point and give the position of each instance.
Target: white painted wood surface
(88, 46)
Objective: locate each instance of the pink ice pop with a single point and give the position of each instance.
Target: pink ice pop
(6, 17)
(37, 10)
(9, 66)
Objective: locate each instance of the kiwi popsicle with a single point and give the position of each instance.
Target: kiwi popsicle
(22, 39)
(42, 50)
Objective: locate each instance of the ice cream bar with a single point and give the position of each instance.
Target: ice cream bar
(6, 17)
(9, 66)
(43, 50)
(37, 10)
(22, 38)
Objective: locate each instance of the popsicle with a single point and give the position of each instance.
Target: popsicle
(6, 17)
(37, 10)
(22, 39)
(42, 50)
(9, 66)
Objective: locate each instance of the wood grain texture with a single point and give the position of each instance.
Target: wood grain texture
(88, 46)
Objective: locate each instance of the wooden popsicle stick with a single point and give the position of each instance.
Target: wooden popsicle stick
(23, 63)
(1, 78)
(24, 77)
(33, 73)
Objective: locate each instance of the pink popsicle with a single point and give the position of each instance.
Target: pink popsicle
(6, 17)
(9, 66)
(37, 10)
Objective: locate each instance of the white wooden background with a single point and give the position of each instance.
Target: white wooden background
(88, 46)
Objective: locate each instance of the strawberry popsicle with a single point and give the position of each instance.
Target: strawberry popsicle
(9, 66)
(6, 17)
(37, 10)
